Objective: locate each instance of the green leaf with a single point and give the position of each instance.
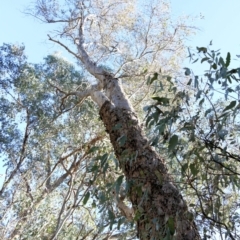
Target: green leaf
(201, 102)
(214, 66)
(155, 77)
(104, 159)
(222, 133)
(231, 105)
(221, 61)
(190, 81)
(190, 215)
(93, 168)
(147, 108)
(195, 60)
(122, 140)
(194, 169)
(184, 168)
(120, 222)
(198, 95)
(161, 127)
(202, 49)
(86, 197)
(118, 183)
(102, 198)
(173, 142)
(117, 126)
(171, 225)
(187, 71)
(207, 112)
(93, 149)
(228, 59)
(149, 118)
(168, 78)
(196, 82)
(155, 116)
(105, 168)
(205, 59)
(94, 204)
(111, 215)
(154, 141)
(161, 100)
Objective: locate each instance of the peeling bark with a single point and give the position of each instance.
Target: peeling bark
(156, 200)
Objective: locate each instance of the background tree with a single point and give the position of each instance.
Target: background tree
(44, 149)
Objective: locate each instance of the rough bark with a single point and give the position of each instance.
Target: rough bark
(156, 200)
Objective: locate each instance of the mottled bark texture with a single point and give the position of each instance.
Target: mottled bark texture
(157, 202)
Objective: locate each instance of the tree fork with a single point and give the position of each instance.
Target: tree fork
(157, 203)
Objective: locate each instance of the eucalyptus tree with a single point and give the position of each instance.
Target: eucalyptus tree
(64, 162)
(45, 149)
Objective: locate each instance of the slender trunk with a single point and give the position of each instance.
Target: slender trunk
(158, 205)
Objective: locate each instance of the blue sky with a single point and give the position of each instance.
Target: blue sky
(17, 27)
(220, 24)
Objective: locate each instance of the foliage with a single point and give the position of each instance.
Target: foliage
(131, 38)
(55, 157)
(198, 129)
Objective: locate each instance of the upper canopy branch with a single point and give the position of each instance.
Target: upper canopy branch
(90, 65)
(93, 90)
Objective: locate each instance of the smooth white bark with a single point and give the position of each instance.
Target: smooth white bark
(90, 65)
(116, 94)
(99, 98)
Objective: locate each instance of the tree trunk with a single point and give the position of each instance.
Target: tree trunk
(159, 208)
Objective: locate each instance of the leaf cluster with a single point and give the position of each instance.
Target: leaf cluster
(200, 130)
